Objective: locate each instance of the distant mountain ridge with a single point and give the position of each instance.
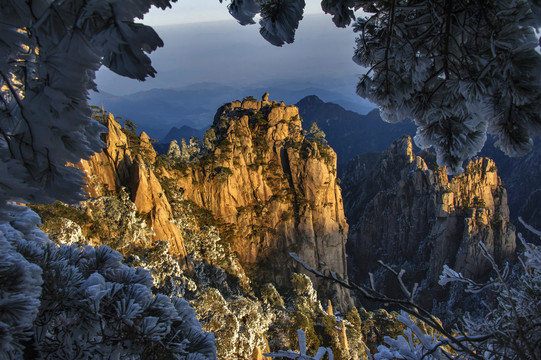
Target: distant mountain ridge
(158, 110)
(350, 133)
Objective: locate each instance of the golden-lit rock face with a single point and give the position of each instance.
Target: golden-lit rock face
(273, 190)
(151, 202)
(480, 191)
(106, 170)
(119, 165)
(276, 188)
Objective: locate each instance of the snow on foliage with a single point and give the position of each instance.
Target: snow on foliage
(20, 284)
(413, 344)
(301, 355)
(70, 302)
(508, 331)
(458, 69)
(50, 51)
(279, 20)
(244, 10)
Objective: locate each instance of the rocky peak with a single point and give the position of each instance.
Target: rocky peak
(276, 189)
(146, 148)
(107, 170)
(405, 214)
(400, 151)
(270, 189)
(127, 162)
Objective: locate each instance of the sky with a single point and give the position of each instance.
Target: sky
(217, 49)
(195, 11)
(230, 54)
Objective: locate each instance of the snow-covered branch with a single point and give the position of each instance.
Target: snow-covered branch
(50, 53)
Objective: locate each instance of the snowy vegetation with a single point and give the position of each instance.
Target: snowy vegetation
(67, 302)
(457, 68)
(50, 53)
(509, 328)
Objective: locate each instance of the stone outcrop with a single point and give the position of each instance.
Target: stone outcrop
(276, 189)
(521, 177)
(151, 203)
(417, 218)
(107, 170)
(271, 190)
(124, 164)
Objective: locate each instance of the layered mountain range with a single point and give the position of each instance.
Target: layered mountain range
(215, 219)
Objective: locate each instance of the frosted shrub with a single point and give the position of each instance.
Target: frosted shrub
(511, 330)
(167, 275)
(301, 355)
(238, 323)
(20, 286)
(91, 305)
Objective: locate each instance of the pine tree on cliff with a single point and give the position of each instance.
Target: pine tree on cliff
(318, 134)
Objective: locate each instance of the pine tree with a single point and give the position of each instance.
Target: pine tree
(209, 139)
(457, 68)
(317, 134)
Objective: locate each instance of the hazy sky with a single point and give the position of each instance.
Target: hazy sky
(227, 53)
(193, 11)
(206, 49)
(206, 45)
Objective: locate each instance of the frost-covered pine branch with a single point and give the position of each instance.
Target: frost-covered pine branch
(50, 51)
(407, 304)
(70, 302)
(459, 69)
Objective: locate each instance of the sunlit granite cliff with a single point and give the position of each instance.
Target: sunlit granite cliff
(127, 162)
(271, 189)
(274, 188)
